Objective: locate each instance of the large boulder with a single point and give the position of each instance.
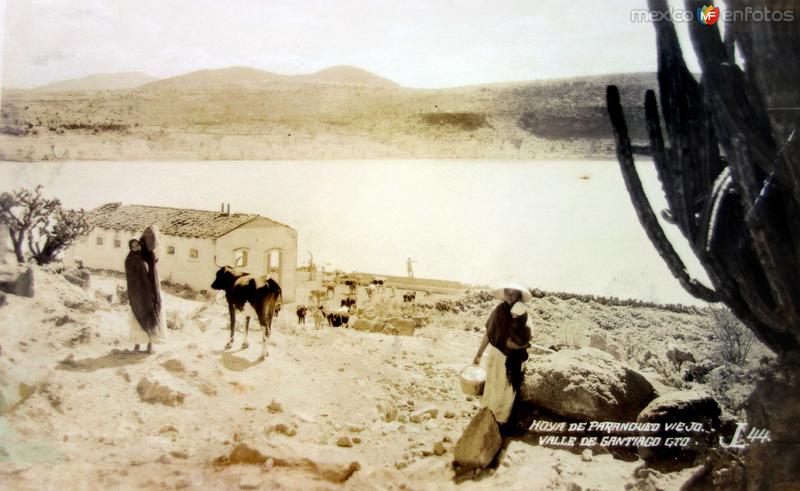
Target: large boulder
(587, 385)
(363, 325)
(17, 282)
(682, 406)
(398, 325)
(480, 442)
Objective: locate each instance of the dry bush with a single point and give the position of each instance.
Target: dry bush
(734, 340)
(571, 334)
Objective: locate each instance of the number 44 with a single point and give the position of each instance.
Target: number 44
(760, 435)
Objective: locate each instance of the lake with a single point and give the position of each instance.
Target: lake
(555, 225)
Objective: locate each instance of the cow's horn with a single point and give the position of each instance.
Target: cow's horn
(215, 261)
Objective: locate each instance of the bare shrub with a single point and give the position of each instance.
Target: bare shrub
(734, 340)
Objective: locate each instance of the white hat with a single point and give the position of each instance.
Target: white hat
(526, 294)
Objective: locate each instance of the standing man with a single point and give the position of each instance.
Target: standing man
(410, 267)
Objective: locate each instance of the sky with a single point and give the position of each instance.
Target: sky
(416, 43)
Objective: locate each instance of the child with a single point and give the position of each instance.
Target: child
(520, 333)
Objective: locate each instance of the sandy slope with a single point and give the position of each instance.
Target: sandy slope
(75, 420)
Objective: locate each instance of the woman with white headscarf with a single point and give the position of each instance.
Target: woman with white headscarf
(505, 345)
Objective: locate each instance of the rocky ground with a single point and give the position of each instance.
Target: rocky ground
(329, 408)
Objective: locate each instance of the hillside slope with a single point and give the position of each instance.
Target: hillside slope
(342, 112)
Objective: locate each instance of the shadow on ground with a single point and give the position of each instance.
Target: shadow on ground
(115, 359)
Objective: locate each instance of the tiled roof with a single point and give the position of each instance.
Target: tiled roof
(171, 221)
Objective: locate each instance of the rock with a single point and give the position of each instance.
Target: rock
(356, 440)
(402, 418)
(449, 414)
(175, 320)
(286, 429)
(152, 392)
(174, 366)
(18, 283)
(418, 416)
(103, 297)
(363, 325)
(586, 455)
(275, 406)
(165, 460)
(680, 407)
(438, 448)
(79, 277)
(479, 443)
(587, 385)
(344, 441)
(242, 454)
(178, 454)
(397, 325)
(387, 411)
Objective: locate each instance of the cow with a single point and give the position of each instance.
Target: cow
(316, 297)
(349, 303)
(351, 285)
(378, 283)
(302, 310)
(263, 294)
(409, 296)
(330, 290)
(370, 290)
(338, 318)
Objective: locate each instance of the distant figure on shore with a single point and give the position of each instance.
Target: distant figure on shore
(410, 267)
(145, 317)
(506, 341)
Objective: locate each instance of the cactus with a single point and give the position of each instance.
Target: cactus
(729, 169)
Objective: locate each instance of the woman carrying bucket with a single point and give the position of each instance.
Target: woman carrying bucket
(505, 344)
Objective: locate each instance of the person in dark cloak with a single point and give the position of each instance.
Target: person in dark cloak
(144, 317)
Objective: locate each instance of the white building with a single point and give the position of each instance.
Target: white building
(190, 240)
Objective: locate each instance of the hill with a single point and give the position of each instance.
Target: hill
(337, 113)
(100, 81)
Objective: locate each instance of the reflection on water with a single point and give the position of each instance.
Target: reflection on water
(559, 225)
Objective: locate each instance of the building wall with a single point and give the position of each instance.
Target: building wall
(259, 237)
(198, 273)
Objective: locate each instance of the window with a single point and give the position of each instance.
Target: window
(117, 243)
(171, 250)
(193, 254)
(99, 240)
(240, 257)
(272, 263)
